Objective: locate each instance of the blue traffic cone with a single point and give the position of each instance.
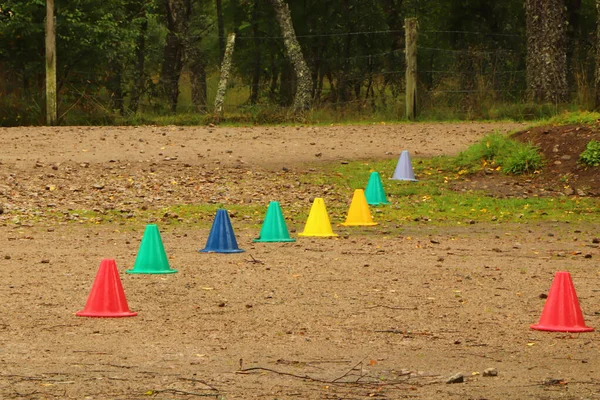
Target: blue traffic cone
(221, 238)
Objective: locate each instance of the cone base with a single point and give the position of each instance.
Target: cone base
(551, 328)
(380, 203)
(133, 271)
(359, 223)
(319, 234)
(221, 251)
(404, 179)
(105, 315)
(259, 240)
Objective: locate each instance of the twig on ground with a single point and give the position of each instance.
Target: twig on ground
(392, 308)
(330, 382)
(350, 370)
(199, 381)
(177, 391)
(254, 260)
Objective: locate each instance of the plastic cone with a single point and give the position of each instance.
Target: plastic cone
(374, 192)
(404, 170)
(107, 298)
(151, 257)
(359, 214)
(274, 228)
(562, 312)
(318, 223)
(221, 238)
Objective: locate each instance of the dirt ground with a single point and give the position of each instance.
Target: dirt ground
(369, 314)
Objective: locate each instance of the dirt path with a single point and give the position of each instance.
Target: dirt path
(370, 314)
(263, 146)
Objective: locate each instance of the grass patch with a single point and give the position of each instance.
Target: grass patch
(432, 200)
(500, 152)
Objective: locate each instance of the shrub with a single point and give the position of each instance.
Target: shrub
(524, 158)
(591, 155)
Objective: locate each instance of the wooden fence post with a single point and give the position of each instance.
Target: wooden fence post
(51, 109)
(225, 68)
(410, 27)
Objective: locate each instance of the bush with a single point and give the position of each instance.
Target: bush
(512, 156)
(591, 155)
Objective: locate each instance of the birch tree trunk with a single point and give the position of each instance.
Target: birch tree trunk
(546, 50)
(303, 96)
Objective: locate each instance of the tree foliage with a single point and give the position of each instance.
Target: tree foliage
(128, 56)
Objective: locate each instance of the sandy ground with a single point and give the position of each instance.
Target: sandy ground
(367, 315)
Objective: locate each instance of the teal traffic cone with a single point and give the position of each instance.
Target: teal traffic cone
(274, 228)
(374, 192)
(151, 257)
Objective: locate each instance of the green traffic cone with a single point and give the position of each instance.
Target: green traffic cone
(151, 258)
(374, 191)
(274, 228)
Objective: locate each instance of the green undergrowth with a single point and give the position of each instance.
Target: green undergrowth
(431, 199)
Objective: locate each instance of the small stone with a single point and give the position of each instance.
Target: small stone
(7, 257)
(45, 261)
(318, 154)
(458, 378)
(565, 157)
(98, 186)
(588, 255)
(490, 372)
(543, 296)
(594, 240)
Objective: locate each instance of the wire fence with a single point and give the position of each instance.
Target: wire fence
(352, 72)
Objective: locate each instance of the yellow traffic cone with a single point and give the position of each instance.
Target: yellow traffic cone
(318, 223)
(359, 214)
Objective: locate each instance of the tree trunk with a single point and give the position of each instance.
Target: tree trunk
(225, 68)
(257, 56)
(546, 50)
(51, 107)
(220, 30)
(138, 82)
(597, 69)
(303, 97)
(197, 67)
(178, 13)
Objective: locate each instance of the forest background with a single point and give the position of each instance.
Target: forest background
(159, 61)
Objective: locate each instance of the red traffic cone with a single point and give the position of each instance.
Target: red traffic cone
(107, 298)
(562, 312)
